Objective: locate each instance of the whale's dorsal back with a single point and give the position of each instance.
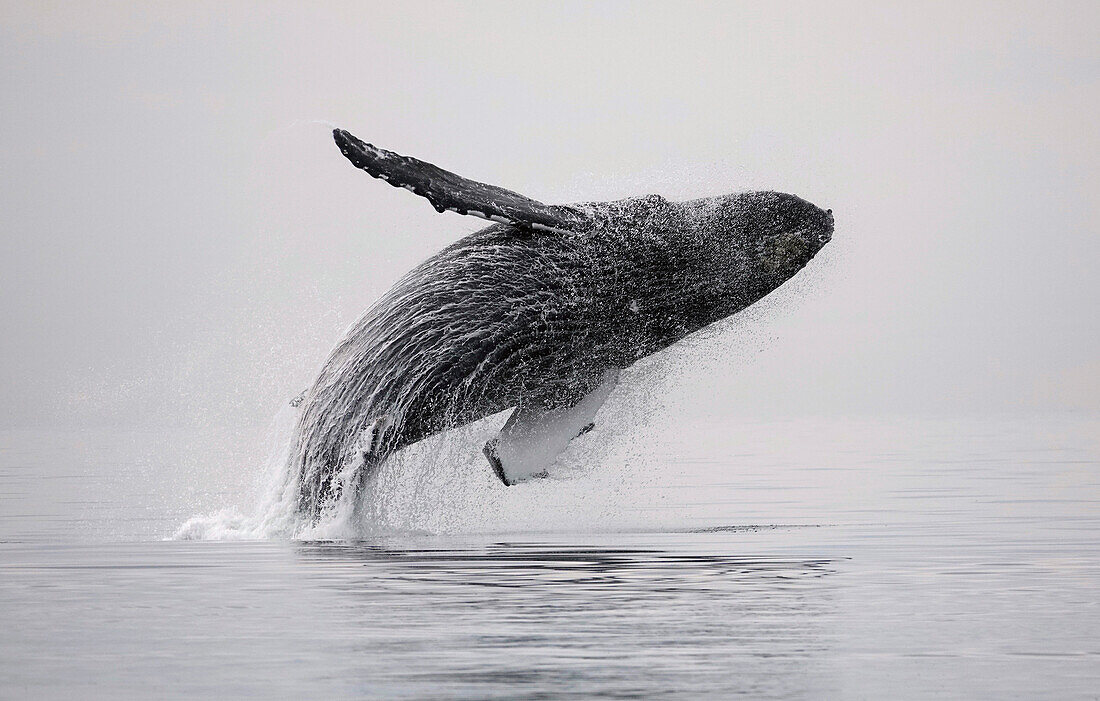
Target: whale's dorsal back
(448, 191)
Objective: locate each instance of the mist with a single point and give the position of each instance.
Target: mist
(182, 244)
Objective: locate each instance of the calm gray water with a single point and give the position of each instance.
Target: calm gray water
(871, 558)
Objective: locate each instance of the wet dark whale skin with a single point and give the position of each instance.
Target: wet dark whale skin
(510, 314)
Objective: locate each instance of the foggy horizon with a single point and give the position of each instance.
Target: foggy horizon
(183, 244)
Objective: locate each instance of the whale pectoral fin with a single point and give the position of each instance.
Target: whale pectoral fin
(534, 435)
(448, 191)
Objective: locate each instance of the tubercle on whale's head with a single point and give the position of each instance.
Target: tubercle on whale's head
(768, 236)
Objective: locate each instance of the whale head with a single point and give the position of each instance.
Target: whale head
(747, 244)
(761, 238)
(773, 234)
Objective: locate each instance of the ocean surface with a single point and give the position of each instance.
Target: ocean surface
(871, 558)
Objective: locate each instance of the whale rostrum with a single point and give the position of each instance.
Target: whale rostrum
(537, 312)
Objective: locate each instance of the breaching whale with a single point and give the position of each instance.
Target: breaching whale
(537, 312)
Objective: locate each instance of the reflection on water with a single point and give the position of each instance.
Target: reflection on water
(524, 564)
(598, 620)
(484, 621)
(931, 559)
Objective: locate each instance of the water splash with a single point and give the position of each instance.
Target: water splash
(274, 516)
(443, 484)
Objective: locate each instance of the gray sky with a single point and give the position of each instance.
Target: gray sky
(180, 242)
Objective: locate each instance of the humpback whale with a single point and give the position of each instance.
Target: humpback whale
(537, 313)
